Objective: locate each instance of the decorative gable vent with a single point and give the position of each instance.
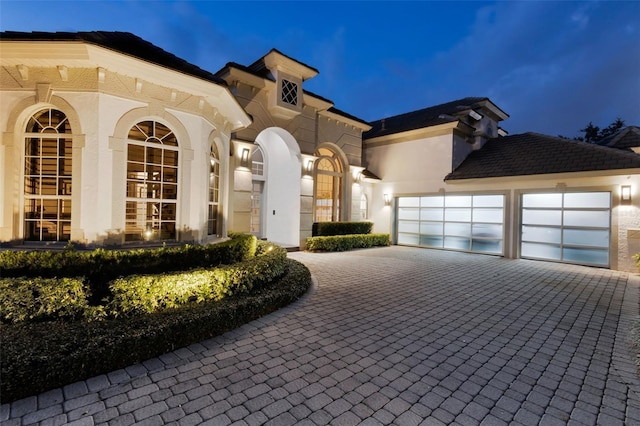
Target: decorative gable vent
(285, 102)
(289, 92)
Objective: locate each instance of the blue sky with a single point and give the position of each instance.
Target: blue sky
(552, 66)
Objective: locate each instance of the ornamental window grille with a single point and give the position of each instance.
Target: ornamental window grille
(289, 92)
(152, 183)
(214, 192)
(47, 177)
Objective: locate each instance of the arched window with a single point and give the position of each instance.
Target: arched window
(152, 182)
(328, 184)
(47, 177)
(257, 188)
(364, 207)
(214, 191)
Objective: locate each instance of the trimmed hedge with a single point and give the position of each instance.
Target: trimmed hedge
(42, 299)
(119, 262)
(100, 266)
(326, 229)
(138, 294)
(41, 356)
(346, 242)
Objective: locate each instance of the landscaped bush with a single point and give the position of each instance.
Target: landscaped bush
(636, 257)
(40, 356)
(137, 294)
(42, 299)
(101, 266)
(346, 242)
(114, 263)
(325, 229)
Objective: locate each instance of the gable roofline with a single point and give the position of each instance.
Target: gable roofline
(537, 154)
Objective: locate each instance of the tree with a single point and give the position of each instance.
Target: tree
(593, 134)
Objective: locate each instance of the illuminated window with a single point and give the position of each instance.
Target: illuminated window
(152, 183)
(47, 177)
(289, 92)
(214, 191)
(257, 162)
(364, 207)
(257, 168)
(328, 183)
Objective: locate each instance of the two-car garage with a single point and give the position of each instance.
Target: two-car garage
(570, 227)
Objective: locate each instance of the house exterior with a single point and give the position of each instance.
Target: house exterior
(109, 140)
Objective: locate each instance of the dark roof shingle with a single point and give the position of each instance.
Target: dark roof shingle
(536, 154)
(421, 118)
(627, 138)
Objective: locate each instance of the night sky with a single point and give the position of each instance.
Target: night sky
(552, 66)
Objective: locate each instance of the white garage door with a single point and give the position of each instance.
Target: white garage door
(473, 223)
(569, 227)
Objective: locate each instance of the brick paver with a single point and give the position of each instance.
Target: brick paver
(393, 335)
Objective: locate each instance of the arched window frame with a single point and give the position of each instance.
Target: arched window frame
(328, 180)
(214, 192)
(47, 176)
(152, 182)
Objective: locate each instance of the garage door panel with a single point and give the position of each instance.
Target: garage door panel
(567, 227)
(456, 222)
(585, 218)
(586, 256)
(487, 246)
(541, 251)
(586, 237)
(541, 234)
(542, 217)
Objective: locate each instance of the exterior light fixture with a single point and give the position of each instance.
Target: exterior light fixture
(625, 194)
(309, 167)
(387, 199)
(244, 159)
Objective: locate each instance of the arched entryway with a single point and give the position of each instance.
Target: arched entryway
(280, 198)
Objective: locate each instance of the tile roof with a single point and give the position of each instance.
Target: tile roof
(627, 138)
(122, 42)
(438, 114)
(536, 154)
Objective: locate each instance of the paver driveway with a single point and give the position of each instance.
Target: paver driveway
(393, 335)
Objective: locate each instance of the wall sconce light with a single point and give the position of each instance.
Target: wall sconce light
(625, 194)
(244, 159)
(309, 168)
(387, 200)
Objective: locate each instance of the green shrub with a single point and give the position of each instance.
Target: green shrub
(41, 299)
(346, 242)
(137, 294)
(101, 266)
(38, 357)
(325, 229)
(114, 263)
(636, 257)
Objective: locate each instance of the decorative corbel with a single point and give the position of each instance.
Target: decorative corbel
(43, 92)
(64, 72)
(24, 72)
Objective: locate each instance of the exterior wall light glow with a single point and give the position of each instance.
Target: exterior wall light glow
(309, 167)
(387, 199)
(244, 159)
(625, 194)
